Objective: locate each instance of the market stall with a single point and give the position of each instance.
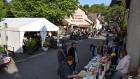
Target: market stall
(95, 69)
(12, 31)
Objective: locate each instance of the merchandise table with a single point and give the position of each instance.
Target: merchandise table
(95, 69)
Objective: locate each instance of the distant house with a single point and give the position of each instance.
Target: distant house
(79, 19)
(97, 20)
(93, 17)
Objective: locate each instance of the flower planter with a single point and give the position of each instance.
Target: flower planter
(45, 49)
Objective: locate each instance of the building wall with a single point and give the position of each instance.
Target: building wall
(78, 18)
(133, 39)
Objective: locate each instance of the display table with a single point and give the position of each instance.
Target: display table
(93, 68)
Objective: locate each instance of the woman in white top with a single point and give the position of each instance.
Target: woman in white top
(122, 67)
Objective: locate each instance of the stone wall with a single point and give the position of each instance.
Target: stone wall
(133, 39)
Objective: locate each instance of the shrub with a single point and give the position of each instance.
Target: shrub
(46, 44)
(31, 44)
(1, 49)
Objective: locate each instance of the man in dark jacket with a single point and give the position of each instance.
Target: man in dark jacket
(73, 52)
(64, 47)
(92, 50)
(65, 70)
(61, 56)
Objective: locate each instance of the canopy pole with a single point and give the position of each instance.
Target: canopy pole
(43, 37)
(58, 38)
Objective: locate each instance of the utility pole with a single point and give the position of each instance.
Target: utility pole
(6, 38)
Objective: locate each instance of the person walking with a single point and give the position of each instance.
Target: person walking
(73, 52)
(122, 67)
(65, 70)
(64, 47)
(107, 39)
(92, 50)
(114, 59)
(61, 56)
(110, 46)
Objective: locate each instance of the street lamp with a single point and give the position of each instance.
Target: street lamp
(6, 38)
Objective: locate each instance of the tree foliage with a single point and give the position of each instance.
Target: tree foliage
(96, 8)
(115, 12)
(86, 6)
(54, 10)
(2, 10)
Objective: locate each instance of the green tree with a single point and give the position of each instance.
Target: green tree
(86, 6)
(97, 8)
(2, 10)
(117, 13)
(54, 10)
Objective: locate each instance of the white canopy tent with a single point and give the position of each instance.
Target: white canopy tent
(16, 28)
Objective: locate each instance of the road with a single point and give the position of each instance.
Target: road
(44, 66)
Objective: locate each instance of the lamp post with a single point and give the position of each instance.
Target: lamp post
(6, 38)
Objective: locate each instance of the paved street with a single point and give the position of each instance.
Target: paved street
(44, 66)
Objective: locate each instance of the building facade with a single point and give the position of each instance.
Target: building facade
(79, 19)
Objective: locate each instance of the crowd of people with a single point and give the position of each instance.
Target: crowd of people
(67, 60)
(79, 34)
(114, 47)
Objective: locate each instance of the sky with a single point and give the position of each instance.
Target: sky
(90, 2)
